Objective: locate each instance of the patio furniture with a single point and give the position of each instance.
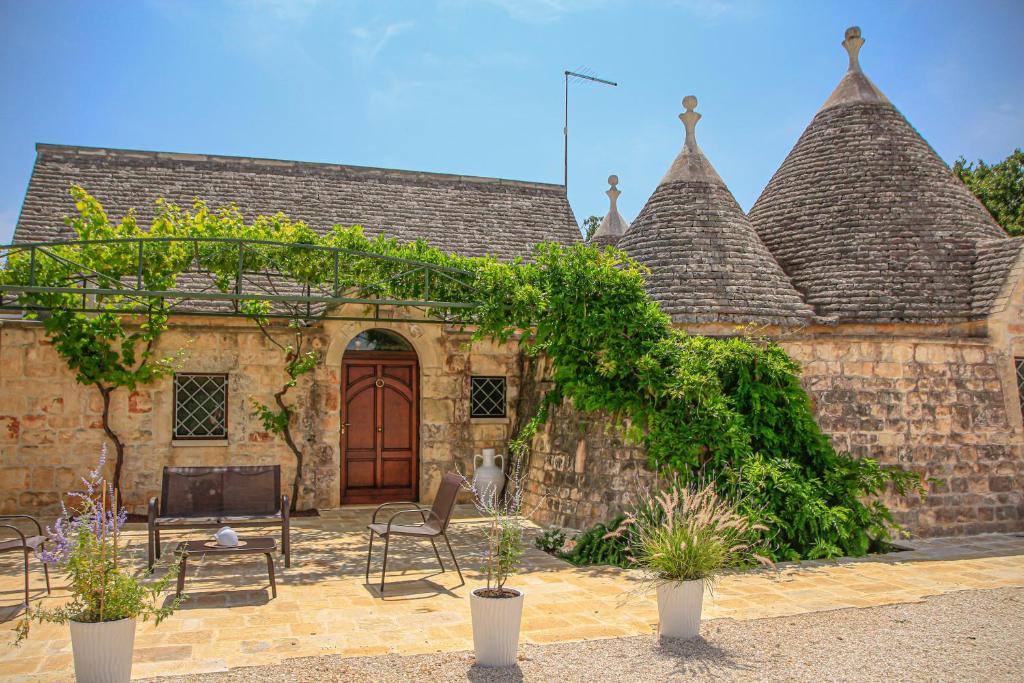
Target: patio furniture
(25, 543)
(246, 546)
(434, 523)
(211, 497)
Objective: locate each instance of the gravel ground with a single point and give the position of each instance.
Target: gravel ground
(966, 636)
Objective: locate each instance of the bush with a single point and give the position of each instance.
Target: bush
(599, 545)
(551, 541)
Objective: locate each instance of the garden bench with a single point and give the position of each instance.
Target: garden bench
(211, 497)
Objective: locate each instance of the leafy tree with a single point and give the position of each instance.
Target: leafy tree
(590, 225)
(1000, 187)
(105, 349)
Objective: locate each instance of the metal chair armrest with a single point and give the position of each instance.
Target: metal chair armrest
(24, 541)
(391, 504)
(423, 513)
(39, 527)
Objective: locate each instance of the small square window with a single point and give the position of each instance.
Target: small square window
(200, 406)
(487, 397)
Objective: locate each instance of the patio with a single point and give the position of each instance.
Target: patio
(324, 607)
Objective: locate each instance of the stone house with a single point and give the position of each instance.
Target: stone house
(393, 403)
(864, 257)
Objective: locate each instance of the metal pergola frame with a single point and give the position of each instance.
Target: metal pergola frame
(91, 285)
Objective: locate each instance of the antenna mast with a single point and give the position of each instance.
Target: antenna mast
(565, 130)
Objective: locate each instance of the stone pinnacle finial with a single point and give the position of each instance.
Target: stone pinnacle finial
(690, 119)
(853, 42)
(613, 192)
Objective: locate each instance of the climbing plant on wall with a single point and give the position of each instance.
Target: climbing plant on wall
(105, 350)
(727, 410)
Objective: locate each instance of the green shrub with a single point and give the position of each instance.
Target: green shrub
(599, 545)
(551, 541)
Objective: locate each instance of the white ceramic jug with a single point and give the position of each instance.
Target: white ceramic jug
(488, 478)
(226, 537)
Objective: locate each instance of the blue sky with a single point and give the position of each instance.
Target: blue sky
(475, 86)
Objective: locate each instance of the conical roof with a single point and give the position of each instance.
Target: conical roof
(865, 217)
(707, 263)
(613, 226)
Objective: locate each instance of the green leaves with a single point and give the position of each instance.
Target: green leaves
(1000, 187)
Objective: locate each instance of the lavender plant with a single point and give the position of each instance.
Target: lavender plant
(86, 543)
(504, 530)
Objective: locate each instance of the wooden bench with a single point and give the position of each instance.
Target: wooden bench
(212, 497)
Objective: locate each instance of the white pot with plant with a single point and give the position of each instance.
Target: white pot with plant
(106, 598)
(497, 610)
(683, 538)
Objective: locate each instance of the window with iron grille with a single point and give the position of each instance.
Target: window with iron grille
(200, 406)
(487, 397)
(1020, 381)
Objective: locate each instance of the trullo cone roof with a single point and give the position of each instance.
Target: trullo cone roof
(869, 222)
(707, 263)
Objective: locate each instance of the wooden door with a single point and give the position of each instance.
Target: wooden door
(380, 418)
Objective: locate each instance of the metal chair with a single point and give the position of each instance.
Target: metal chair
(434, 523)
(24, 544)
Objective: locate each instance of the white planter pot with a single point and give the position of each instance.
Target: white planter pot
(496, 628)
(103, 651)
(679, 604)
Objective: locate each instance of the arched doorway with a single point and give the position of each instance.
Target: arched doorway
(379, 419)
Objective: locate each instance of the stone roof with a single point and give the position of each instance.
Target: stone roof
(997, 267)
(613, 226)
(707, 263)
(469, 215)
(869, 222)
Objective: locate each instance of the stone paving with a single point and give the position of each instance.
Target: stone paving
(324, 607)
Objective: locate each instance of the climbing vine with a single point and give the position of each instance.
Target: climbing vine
(104, 349)
(728, 410)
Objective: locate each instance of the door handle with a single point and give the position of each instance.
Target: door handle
(380, 429)
(343, 425)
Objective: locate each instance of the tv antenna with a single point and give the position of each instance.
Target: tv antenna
(583, 74)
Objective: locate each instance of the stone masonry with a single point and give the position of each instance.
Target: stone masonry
(50, 430)
(916, 398)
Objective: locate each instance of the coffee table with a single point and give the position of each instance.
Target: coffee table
(246, 546)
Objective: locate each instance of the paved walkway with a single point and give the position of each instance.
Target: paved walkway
(323, 606)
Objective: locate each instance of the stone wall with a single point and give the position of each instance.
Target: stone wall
(923, 399)
(937, 406)
(581, 468)
(50, 430)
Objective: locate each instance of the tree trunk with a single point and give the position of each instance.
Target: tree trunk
(287, 433)
(105, 392)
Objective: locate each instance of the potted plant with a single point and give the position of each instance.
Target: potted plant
(106, 599)
(684, 537)
(497, 610)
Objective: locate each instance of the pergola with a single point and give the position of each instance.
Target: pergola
(259, 272)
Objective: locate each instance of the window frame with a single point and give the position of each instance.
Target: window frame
(504, 397)
(174, 406)
(1018, 369)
